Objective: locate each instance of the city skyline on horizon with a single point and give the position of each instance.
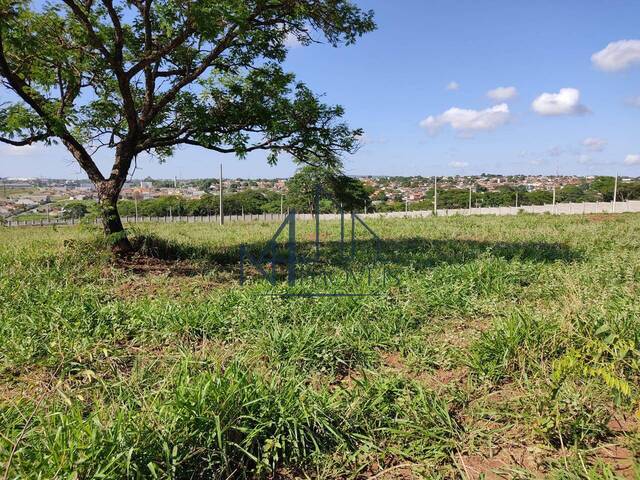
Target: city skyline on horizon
(231, 178)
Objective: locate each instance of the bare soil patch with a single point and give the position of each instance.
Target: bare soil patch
(600, 217)
(620, 459)
(146, 265)
(504, 464)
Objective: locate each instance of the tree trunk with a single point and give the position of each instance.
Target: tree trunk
(108, 194)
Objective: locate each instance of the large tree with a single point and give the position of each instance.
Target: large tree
(147, 76)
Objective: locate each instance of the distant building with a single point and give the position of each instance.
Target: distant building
(27, 202)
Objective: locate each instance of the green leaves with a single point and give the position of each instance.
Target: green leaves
(153, 76)
(17, 119)
(336, 189)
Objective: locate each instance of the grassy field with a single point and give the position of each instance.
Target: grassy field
(504, 347)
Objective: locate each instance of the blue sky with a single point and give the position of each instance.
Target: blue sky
(393, 83)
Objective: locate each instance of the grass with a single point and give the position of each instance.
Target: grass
(488, 344)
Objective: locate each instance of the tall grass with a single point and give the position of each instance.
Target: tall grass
(497, 330)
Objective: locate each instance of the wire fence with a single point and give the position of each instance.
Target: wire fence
(583, 208)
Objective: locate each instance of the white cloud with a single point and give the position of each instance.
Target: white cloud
(632, 160)
(594, 144)
(633, 101)
(502, 94)
(26, 150)
(453, 86)
(565, 102)
(457, 164)
(618, 56)
(468, 121)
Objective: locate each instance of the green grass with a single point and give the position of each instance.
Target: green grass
(501, 343)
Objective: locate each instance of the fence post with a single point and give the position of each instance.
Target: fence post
(291, 263)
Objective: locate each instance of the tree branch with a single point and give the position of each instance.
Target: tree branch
(118, 68)
(117, 28)
(173, 141)
(93, 36)
(38, 103)
(149, 72)
(161, 52)
(115, 59)
(187, 79)
(26, 141)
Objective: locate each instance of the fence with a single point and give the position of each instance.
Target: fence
(266, 217)
(558, 208)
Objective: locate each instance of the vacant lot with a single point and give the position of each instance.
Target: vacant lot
(503, 346)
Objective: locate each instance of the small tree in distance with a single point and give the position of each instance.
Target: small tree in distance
(147, 76)
(333, 188)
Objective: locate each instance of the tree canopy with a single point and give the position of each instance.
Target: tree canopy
(333, 188)
(147, 76)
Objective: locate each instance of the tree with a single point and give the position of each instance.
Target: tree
(351, 193)
(307, 183)
(604, 187)
(147, 76)
(248, 201)
(332, 186)
(74, 210)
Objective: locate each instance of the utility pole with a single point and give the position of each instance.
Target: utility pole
(281, 204)
(406, 204)
(220, 193)
(317, 212)
(175, 182)
(469, 199)
(516, 199)
(554, 186)
(135, 199)
(435, 195)
(341, 229)
(615, 193)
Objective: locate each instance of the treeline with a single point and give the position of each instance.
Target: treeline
(256, 201)
(252, 201)
(310, 188)
(352, 194)
(601, 189)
